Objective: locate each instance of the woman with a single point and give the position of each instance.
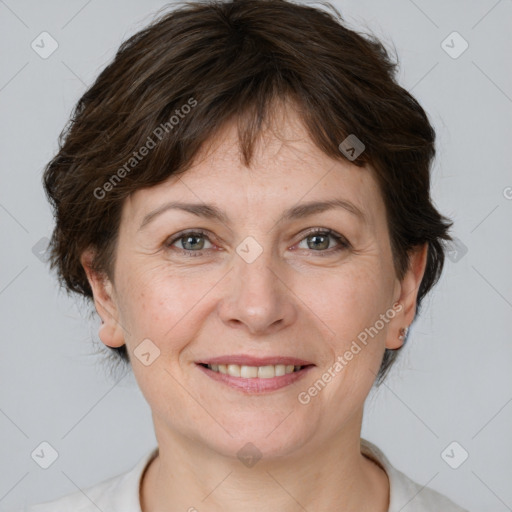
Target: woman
(244, 196)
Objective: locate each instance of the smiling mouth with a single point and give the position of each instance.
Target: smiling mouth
(254, 372)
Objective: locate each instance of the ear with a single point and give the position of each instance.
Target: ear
(111, 332)
(407, 292)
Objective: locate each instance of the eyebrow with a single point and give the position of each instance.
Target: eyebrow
(300, 211)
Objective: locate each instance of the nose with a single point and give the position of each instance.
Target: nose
(257, 297)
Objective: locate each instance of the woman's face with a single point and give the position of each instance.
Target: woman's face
(256, 288)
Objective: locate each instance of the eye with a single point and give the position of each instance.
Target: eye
(192, 242)
(318, 240)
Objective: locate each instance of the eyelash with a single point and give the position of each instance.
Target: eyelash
(343, 244)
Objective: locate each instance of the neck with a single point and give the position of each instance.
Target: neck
(189, 476)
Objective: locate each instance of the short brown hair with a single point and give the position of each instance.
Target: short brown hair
(231, 60)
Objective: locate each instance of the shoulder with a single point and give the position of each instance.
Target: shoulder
(406, 495)
(120, 492)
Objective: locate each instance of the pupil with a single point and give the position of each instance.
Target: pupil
(324, 245)
(191, 237)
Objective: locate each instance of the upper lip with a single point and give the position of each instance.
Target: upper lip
(244, 360)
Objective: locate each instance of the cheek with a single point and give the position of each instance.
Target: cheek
(152, 303)
(354, 350)
(351, 300)
(163, 306)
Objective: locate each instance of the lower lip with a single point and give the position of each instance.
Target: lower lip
(256, 385)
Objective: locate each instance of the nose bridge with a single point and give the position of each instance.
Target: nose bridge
(255, 296)
(254, 267)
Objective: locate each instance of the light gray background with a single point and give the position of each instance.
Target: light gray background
(453, 383)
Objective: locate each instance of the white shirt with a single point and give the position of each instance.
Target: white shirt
(121, 493)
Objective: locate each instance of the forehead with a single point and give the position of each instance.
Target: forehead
(286, 169)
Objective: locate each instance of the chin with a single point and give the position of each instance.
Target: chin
(260, 435)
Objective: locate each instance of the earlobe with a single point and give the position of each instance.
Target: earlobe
(409, 287)
(110, 331)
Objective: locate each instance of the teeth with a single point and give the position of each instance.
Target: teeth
(234, 370)
(266, 372)
(249, 372)
(280, 370)
(252, 372)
